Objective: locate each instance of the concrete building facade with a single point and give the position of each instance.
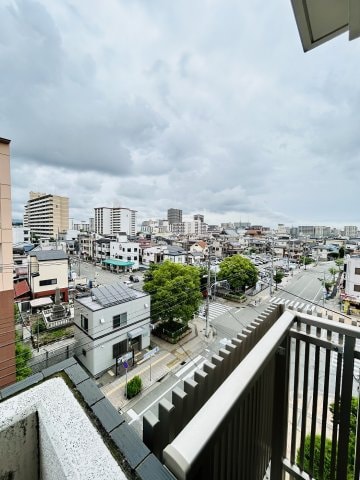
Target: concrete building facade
(110, 221)
(7, 327)
(174, 215)
(46, 215)
(110, 323)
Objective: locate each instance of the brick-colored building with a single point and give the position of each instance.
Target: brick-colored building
(7, 327)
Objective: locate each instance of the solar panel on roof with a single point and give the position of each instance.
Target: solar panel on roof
(108, 295)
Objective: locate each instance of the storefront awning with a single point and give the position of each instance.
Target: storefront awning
(135, 333)
(118, 263)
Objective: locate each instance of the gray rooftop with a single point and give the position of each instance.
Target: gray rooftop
(43, 255)
(109, 295)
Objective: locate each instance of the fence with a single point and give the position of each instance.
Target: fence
(288, 404)
(159, 430)
(51, 357)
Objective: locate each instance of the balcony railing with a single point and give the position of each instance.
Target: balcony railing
(287, 408)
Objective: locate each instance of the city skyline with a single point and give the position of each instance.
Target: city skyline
(146, 107)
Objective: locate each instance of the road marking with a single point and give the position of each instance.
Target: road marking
(110, 392)
(163, 394)
(132, 414)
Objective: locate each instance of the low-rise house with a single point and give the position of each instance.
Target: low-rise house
(109, 323)
(174, 254)
(47, 271)
(102, 249)
(152, 255)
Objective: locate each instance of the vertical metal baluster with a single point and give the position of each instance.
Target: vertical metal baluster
(357, 440)
(324, 413)
(304, 406)
(295, 402)
(335, 417)
(314, 410)
(345, 407)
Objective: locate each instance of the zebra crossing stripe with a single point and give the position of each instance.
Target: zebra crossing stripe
(296, 304)
(291, 304)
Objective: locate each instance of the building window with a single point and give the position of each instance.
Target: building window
(84, 352)
(129, 249)
(135, 249)
(52, 281)
(356, 288)
(135, 258)
(120, 348)
(84, 322)
(129, 258)
(120, 320)
(357, 271)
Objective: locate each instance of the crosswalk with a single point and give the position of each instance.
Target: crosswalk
(216, 309)
(296, 305)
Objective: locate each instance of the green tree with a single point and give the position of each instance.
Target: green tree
(339, 262)
(175, 291)
(278, 278)
(305, 260)
(23, 355)
(239, 272)
(328, 445)
(341, 252)
(333, 271)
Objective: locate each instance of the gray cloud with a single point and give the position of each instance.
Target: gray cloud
(149, 107)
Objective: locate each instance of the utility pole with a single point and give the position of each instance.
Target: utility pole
(272, 268)
(208, 296)
(79, 263)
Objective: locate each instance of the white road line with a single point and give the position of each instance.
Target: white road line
(162, 395)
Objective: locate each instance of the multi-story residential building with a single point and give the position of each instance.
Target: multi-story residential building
(7, 327)
(350, 231)
(21, 234)
(174, 215)
(196, 227)
(110, 221)
(111, 322)
(46, 215)
(47, 272)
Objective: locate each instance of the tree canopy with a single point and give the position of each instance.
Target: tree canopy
(279, 275)
(175, 291)
(239, 272)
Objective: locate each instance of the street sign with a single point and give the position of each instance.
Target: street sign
(125, 364)
(150, 354)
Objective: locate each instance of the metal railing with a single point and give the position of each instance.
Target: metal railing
(288, 404)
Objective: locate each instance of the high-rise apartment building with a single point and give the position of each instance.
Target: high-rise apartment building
(7, 326)
(110, 221)
(350, 231)
(174, 215)
(46, 215)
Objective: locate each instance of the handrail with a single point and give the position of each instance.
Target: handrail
(183, 454)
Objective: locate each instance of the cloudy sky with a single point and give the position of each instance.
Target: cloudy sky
(206, 105)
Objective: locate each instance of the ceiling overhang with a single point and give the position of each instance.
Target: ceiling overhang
(321, 20)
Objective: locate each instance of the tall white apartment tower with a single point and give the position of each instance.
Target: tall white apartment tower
(47, 215)
(110, 221)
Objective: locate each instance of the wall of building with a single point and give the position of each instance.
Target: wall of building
(49, 270)
(7, 328)
(19, 450)
(352, 279)
(99, 340)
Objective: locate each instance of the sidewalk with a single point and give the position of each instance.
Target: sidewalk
(163, 363)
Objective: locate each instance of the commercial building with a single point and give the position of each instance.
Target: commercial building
(174, 215)
(46, 215)
(7, 327)
(110, 221)
(111, 322)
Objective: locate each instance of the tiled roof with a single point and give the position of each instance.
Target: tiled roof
(43, 255)
(21, 288)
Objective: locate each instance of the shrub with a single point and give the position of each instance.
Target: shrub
(134, 386)
(34, 327)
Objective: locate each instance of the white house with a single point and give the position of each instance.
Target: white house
(352, 277)
(109, 323)
(47, 271)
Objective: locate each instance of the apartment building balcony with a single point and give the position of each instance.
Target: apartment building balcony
(285, 408)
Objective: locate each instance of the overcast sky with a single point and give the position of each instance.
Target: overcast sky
(206, 105)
